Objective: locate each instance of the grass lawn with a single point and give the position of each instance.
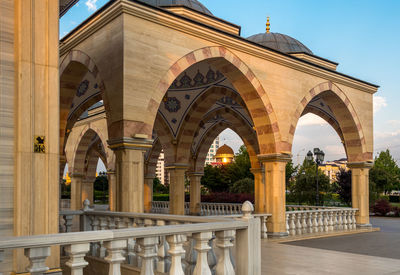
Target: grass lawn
(395, 204)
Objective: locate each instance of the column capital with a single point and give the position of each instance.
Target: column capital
(110, 172)
(277, 157)
(130, 143)
(256, 170)
(177, 166)
(361, 165)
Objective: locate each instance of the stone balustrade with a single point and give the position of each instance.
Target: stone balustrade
(206, 208)
(143, 246)
(320, 221)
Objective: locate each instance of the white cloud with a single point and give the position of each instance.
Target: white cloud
(393, 122)
(379, 103)
(91, 4)
(311, 119)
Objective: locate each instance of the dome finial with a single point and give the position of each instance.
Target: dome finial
(268, 25)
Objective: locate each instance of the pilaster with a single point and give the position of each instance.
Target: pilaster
(112, 189)
(148, 192)
(275, 196)
(259, 190)
(360, 191)
(76, 191)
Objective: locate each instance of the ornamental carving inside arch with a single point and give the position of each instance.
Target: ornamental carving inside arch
(172, 104)
(83, 87)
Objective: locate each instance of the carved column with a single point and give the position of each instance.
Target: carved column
(177, 188)
(259, 189)
(129, 153)
(195, 193)
(76, 191)
(148, 192)
(360, 191)
(112, 189)
(275, 199)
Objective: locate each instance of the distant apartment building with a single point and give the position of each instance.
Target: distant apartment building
(212, 151)
(161, 173)
(331, 168)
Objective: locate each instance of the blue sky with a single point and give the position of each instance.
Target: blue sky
(361, 35)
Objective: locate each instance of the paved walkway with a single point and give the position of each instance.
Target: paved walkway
(364, 253)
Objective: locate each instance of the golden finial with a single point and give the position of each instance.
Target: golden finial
(268, 25)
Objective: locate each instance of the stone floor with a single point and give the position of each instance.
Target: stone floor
(364, 253)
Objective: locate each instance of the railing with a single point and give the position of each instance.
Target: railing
(320, 221)
(166, 248)
(206, 208)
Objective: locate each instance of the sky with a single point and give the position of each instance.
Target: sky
(361, 35)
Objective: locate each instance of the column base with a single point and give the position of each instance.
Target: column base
(364, 226)
(277, 235)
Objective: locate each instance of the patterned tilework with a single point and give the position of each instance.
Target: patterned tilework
(344, 113)
(6, 124)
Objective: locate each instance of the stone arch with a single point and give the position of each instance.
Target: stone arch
(72, 69)
(245, 82)
(152, 158)
(166, 139)
(349, 123)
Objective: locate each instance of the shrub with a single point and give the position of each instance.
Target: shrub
(394, 198)
(381, 207)
(160, 197)
(396, 211)
(245, 186)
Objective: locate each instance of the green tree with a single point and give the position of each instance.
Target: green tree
(159, 188)
(385, 174)
(291, 171)
(304, 189)
(245, 186)
(216, 179)
(343, 185)
(240, 168)
(101, 188)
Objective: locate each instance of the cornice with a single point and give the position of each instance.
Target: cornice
(213, 35)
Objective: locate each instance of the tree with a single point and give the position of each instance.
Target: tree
(159, 188)
(343, 185)
(216, 179)
(240, 167)
(291, 171)
(245, 186)
(304, 188)
(101, 188)
(385, 174)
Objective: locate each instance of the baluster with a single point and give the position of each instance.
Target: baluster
(292, 224)
(325, 220)
(330, 223)
(77, 253)
(1, 259)
(148, 222)
(315, 222)
(309, 222)
(163, 263)
(340, 220)
(211, 257)
(287, 223)
(131, 256)
(304, 223)
(320, 221)
(95, 223)
(103, 223)
(345, 221)
(176, 250)
(115, 257)
(190, 255)
(335, 220)
(354, 219)
(224, 244)
(110, 223)
(120, 223)
(147, 254)
(298, 224)
(68, 223)
(264, 230)
(37, 258)
(202, 248)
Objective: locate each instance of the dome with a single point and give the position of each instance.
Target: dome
(193, 4)
(224, 150)
(280, 42)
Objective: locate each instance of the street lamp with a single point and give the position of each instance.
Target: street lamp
(319, 158)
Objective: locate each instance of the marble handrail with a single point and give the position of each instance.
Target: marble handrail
(138, 247)
(320, 221)
(206, 208)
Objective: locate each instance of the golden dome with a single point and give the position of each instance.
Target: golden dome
(224, 150)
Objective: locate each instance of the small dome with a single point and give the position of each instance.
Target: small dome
(224, 150)
(280, 42)
(193, 4)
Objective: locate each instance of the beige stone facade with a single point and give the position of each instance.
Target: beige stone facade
(172, 84)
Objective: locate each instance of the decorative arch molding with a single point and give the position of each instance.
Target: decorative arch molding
(72, 69)
(350, 125)
(152, 158)
(246, 83)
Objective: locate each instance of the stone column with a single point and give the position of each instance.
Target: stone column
(129, 154)
(360, 191)
(195, 193)
(275, 196)
(259, 190)
(87, 190)
(177, 188)
(112, 189)
(76, 191)
(148, 192)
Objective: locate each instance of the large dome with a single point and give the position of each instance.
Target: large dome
(279, 42)
(225, 150)
(193, 4)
